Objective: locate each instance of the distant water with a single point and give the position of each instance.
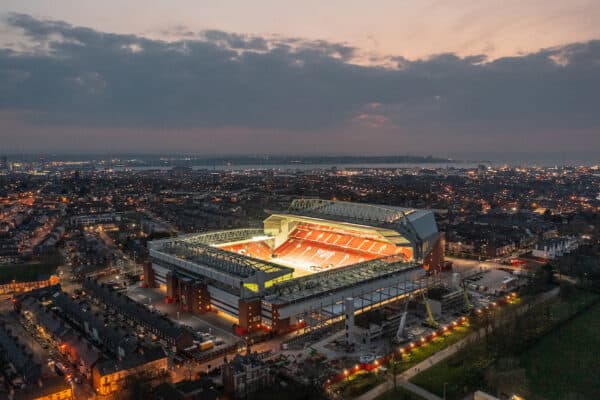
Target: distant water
(306, 167)
(543, 159)
(521, 160)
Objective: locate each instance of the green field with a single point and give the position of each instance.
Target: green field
(461, 371)
(358, 383)
(361, 383)
(559, 365)
(27, 272)
(399, 394)
(565, 364)
(439, 343)
(24, 272)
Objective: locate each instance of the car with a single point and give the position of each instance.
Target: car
(60, 369)
(367, 358)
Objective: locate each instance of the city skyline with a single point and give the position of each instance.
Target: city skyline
(73, 83)
(340, 200)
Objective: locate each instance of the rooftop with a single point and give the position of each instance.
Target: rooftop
(133, 309)
(198, 249)
(367, 212)
(111, 336)
(142, 356)
(415, 223)
(50, 386)
(18, 355)
(336, 279)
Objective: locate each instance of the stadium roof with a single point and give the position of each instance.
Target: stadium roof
(220, 237)
(199, 249)
(415, 223)
(336, 279)
(367, 212)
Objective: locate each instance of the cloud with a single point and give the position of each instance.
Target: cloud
(71, 75)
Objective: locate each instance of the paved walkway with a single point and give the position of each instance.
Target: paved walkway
(389, 385)
(320, 346)
(436, 358)
(419, 391)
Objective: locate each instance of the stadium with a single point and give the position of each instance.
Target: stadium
(300, 267)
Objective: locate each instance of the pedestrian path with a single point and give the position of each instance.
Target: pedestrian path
(440, 356)
(419, 391)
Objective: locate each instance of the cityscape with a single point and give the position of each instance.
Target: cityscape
(297, 212)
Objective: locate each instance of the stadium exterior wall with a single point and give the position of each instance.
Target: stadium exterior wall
(201, 288)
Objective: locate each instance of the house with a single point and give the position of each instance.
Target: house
(245, 374)
(110, 376)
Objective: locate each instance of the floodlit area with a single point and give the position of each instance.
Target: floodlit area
(311, 248)
(300, 263)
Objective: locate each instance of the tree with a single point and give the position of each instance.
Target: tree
(395, 365)
(136, 387)
(547, 273)
(567, 291)
(506, 376)
(139, 386)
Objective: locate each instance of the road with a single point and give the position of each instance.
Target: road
(43, 350)
(468, 265)
(209, 322)
(436, 358)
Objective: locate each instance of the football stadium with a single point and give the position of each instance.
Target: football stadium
(299, 268)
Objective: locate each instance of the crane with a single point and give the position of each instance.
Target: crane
(430, 320)
(400, 338)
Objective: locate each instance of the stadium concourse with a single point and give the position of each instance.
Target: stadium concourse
(298, 269)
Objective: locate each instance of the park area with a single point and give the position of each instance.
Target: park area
(559, 366)
(399, 394)
(31, 271)
(358, 383)
(546, 353)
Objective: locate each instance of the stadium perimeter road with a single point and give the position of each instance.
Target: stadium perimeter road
(435, 359)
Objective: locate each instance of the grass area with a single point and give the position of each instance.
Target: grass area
(362, 382)
(29, 271)
(564, 364)
(463, 370)
(359, 383)
(399, 394)
(483, 366)
(421, 353)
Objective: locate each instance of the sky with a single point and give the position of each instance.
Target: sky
(311, 77)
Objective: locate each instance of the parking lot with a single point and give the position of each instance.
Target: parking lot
(208, 323)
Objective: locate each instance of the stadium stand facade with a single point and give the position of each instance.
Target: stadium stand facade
(297, 270)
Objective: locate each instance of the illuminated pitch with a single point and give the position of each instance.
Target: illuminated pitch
(311, 248)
